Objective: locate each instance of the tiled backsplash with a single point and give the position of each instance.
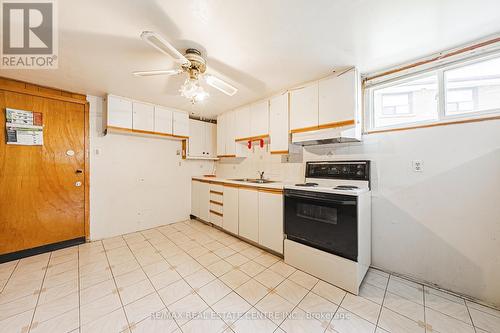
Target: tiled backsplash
(287, 168)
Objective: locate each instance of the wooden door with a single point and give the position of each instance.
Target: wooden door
(40, 202)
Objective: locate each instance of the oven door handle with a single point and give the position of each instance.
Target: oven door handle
(338, 202)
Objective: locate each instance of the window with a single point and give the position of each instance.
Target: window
(396, 104)
(461, 90)
(406, 102)
(473, 88)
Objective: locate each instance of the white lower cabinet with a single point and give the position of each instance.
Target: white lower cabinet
(271, 220)
(204, 202)
(195, 197)
(248, 213)
(230, 221)
(252, 213)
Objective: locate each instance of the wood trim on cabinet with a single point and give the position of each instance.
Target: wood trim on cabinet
(221, 156)
(277, 152)
(216, 192)
(216, 213)
(86, 162)
(204, 181)
(271, 190)
(216, 203)
(40, 91)
(184, 149)
(231, 185)
(253, 138)
(434, 125)
(324, 126)
(129, 130)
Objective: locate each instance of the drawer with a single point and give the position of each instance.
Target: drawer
(217, 188)
(215, 196)
(216, 219)
(216, 207)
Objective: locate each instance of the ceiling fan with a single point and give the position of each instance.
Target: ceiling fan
(192, 63)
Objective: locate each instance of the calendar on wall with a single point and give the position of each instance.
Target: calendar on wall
(24, 127)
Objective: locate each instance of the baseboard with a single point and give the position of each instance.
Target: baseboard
(40, 249)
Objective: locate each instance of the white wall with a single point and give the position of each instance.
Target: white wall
(441, 226)
(136, 182)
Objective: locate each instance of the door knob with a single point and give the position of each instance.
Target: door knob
(79, 171)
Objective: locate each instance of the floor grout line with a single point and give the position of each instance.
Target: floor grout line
(39, 292)
(116, 288)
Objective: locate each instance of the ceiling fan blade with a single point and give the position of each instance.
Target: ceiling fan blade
(158, 72)
(220, 84)
(161, 44)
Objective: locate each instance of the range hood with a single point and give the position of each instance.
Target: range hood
(329, 135)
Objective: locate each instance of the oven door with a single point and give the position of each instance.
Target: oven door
(323, 220)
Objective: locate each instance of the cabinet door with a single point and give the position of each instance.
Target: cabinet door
(195, 198)
(242, 122)
(163, 120)
(204, 204)
(119, 112)
(230, 132)
(338, 98)
(259, 118)
(143, 116)
(196, 138)
(230, 221)
(221, 135)
(304, 107)
(271, 221)
(180, 123)
(210, 139)
(248, 214)
(278, 123)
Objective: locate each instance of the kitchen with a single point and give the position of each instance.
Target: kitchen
(352, 190)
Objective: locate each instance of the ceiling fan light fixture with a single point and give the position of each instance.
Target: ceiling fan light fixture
(192, 90)
(218, 84)
(162, 45)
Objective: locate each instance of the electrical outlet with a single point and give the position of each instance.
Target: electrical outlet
(418, 165)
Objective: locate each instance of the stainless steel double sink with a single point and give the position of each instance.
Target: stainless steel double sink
(253, 180)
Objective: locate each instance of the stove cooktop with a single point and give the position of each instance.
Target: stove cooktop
(307, 184)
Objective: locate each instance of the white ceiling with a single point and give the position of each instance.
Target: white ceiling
(260, 46)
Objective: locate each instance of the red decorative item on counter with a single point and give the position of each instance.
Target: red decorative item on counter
(249, 145)
(261, 143)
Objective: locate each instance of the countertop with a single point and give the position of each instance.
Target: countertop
(275, 185)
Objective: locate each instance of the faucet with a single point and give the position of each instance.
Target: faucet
(261, 174)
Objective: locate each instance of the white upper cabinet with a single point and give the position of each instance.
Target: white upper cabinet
(180, 124)
(338, 97)
(259, 118)
(304, 107)
(163, 120)
(211, 140)
(221, 135)
(143, 116)
(201, 139)
(196, 138)
(278, 123)
(242, 122)
(230, 133)
(119, 112)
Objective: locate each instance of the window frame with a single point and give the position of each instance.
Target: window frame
(442, 117)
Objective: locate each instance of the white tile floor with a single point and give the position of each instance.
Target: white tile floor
(189, 277)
